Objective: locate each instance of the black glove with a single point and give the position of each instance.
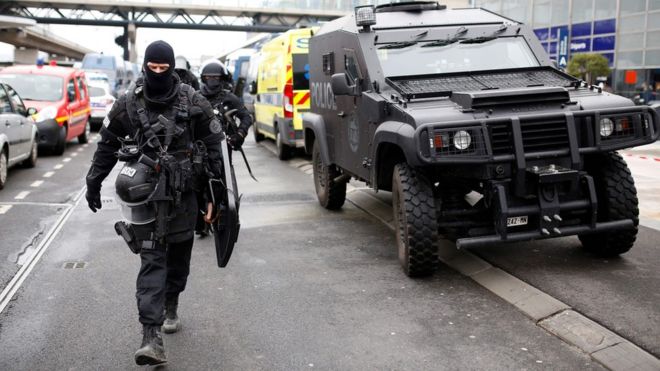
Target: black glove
(93, 199)
(236, 140)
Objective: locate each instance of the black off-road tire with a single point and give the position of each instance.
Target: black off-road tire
(31, 161)
(331, 195)
(415, 221)
(283, 151)
(84, 137)
(617, 200)
(258, 137)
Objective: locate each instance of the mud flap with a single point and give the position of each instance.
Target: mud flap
(226, 228)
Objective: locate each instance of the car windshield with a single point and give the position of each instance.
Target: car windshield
(98, 62)
(96, 91)
(35, 87)
(457, 56)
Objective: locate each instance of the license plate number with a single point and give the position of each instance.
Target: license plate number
(516, 221)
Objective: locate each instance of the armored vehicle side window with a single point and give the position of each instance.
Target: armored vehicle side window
(329, 63)
(351, 66)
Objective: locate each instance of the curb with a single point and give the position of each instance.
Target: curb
(602, 345)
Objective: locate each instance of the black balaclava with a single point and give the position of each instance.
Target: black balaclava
(214, 86)
(158, 85)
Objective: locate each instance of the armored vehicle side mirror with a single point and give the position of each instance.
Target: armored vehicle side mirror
(253, 87)
(340, 86)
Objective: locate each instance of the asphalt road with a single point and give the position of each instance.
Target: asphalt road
(306, 289)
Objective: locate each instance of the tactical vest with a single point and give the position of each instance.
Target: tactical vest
(171, 132)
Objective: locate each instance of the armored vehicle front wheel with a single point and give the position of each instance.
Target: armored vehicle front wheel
(283, 150)
(415, 222)
(331, 194)
(617, 200)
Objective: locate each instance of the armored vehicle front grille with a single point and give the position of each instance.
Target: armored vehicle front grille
(538, 135)
(544, 135)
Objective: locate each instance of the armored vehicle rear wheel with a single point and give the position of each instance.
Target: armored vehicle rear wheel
(258, 137)
(331, 194)
(415, 222)
(283, 151)
(617, 200)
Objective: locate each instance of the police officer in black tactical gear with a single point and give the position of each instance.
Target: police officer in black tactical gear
(216, 88)
(156, 129)
(182, 68)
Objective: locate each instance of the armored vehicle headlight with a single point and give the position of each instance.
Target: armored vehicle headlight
(365, 15)
(462, 140)
(606, 127)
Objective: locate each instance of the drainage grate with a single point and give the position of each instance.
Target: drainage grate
(74, 265)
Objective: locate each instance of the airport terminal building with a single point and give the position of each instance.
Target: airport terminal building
(626, 32)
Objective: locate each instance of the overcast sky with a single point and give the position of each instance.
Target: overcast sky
(190, 43)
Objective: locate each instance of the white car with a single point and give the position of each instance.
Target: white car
(101, 102)
(18, 133)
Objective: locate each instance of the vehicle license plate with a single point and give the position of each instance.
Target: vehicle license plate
(516, 221)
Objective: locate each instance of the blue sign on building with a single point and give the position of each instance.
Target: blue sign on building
(562, 57)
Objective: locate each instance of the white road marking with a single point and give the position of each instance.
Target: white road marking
(67, 159)
(80, 149)
(22, 195)
(4, 208)
(74, 154)
(37, 183)
(58, 166)
(49, 174)
(85, 145)
(16, 282)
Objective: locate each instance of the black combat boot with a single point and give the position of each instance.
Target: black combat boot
(172, 323)
(152, 351)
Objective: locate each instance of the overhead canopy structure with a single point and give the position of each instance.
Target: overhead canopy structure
(20, 32)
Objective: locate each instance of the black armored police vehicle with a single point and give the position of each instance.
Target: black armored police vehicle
(461, 114)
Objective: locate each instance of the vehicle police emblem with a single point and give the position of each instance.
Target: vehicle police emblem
(353, 133)
(128, 171)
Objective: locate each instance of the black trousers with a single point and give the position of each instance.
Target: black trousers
(163, 275)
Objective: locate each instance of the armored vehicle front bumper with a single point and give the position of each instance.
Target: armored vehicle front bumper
(531, 168)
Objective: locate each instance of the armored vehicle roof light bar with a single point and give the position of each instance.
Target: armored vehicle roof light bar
(365, 16)
(410, 6)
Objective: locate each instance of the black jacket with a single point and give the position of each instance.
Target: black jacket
(187, 77)
(118, 125)
(224, 100)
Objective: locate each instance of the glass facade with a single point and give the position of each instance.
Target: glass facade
(626, 32)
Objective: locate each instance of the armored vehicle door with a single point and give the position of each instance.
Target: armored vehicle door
(352, 141)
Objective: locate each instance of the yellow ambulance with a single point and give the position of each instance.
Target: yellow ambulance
(282, 90)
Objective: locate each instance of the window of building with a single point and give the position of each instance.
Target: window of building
(559, 12)
(654, 21)
(629, 59)
(653, 58)
(632, 6)
(542, 13)
(632, 24)
(516, 9)
(631, 41)
(605, 9)
(654, 4)
(583, 10)
(653, 39)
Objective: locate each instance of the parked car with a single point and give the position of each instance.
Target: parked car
(112, 66)
(101, 101)
(60, 96)
(18, 133)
